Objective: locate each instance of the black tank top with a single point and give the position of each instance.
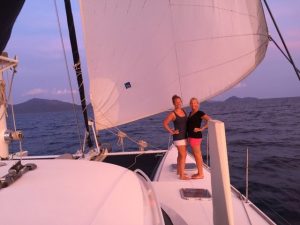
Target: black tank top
(180, 124)
(194, 121)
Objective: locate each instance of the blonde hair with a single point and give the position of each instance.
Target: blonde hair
(192, 99)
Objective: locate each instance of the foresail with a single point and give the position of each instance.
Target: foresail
(141, 52)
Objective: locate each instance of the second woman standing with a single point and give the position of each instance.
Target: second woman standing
(194, 131)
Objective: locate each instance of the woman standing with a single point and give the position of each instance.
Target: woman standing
(179, 118)
(194, 130)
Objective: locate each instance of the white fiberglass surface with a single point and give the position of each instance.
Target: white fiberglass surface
(73, 192)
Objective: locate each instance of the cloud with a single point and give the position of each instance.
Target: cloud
(295, 45)
(240, 85)
(294, 33)
(292, 45)
(54, 92)
(35, 91)
(292, 38)
(63, 92)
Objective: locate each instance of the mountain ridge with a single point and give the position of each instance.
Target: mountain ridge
(39, 105)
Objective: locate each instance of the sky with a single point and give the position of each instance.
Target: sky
(42, 71)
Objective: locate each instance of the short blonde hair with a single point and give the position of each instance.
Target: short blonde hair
(192, 99)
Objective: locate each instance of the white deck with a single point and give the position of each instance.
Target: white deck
(84, 192)
(195, 211)
(76, 192)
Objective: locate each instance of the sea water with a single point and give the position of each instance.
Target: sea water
(268, 128)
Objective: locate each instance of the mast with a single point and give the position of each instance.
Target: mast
(3, 127)
(6, 136)
(77, 66)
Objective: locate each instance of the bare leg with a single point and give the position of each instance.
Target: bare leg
(199, 162)
(178, 163)
(178, 157)
(181, 162)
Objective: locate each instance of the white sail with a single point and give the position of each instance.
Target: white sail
(158, 48)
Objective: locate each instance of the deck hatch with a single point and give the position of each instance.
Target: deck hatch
(195, 193)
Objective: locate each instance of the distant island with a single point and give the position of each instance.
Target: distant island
(235, 98)
(37, 105)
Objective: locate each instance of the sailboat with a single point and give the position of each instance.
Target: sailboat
(139, 53)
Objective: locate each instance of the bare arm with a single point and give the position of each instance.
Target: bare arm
(206, 118)
(167, 120)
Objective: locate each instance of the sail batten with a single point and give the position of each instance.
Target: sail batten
(140, 53)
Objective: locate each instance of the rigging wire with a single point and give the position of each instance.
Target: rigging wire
(10, 99)
(111, 126)
(116, 132)
(176, 53)
(282, 40)
(129, 138)
(276, 44)
(68, 74)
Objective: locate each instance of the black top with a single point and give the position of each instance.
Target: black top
(180, 124)
(194, 121)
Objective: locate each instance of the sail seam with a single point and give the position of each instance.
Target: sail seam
(210, 6)
(228, 86)
(220, 64)
(175, 48)
(225, 36)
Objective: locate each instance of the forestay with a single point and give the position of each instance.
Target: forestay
(141, 52)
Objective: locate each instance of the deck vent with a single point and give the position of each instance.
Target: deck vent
(188, 166)
(195, 193)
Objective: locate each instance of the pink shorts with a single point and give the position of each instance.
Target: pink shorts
(195, 141)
